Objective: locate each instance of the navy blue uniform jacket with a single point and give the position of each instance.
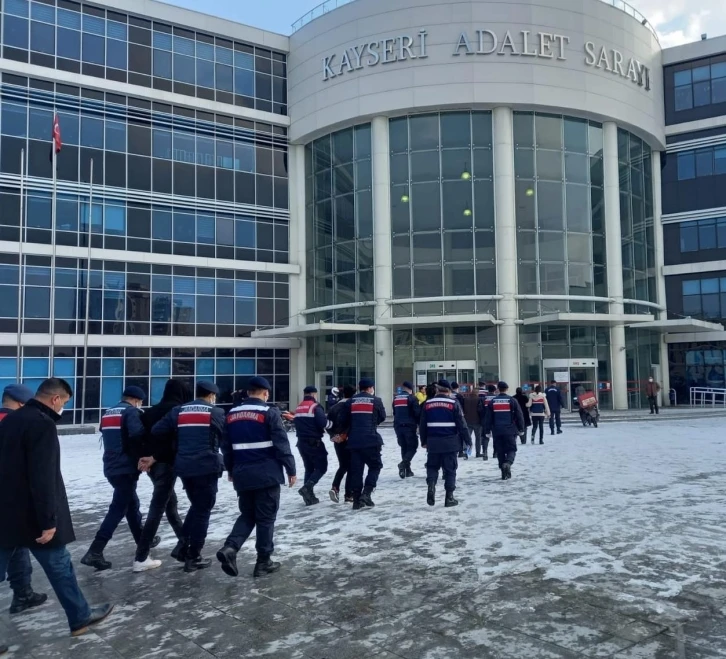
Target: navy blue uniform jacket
(123, 435)
(310, 422)
(406, 411)
(443, 427)
(361, 416)
(554, 399)
(504, 417)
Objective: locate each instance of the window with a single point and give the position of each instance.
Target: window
(700, 85)
(686, 165)
(700, 163)
(704, 234)
(703, 298)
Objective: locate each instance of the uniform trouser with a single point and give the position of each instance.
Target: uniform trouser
(343, 453)
(315, 459)
(359, 459)
(125, 503)
(19, 570)
(506, 448)
(653, 402)
(448, 463)
(258, 509)
(538, 422)
(476, 429)
(163, 500)
(408, 441)
(555, 419)
(202, 493)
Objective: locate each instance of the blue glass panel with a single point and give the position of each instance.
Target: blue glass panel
(94, 49)
(205, 51)
(225, 287)
(224, 77)
(94, 24)
(64, 367)
(692, 287)
(33, 383)
(225, 366)
(115, 136)
(8, 367)
(245, 366)
(161, 283)
(157, 389)
(97, 219)
(244, 157)
(161, 225)
(69, 43)
(718, 70)
(113, 305)
(184, 229)
(225, 154)
(111, 390)
(205, 231)
(183, 311)
(9, 275)
(702, 73)
(43, 13)
(40, 124)
(185, 285)
(39, 211)
(35, 367)
(686, 166)
(244, 234)
(116, 220)
(69, 124)
(185, 147)
(37, 276)
(244, 312)
(244, 289)
(161, 141)
(162, 64)
(205, 366)
(183, 46)
(92, 132)
(70, 19)
(114, 281)
(160, 366)
(184, 69)
(16, 7)
(42, 38)
(709, 286)
(14, 120)
(162, 40)
(66, 277)
(37, 302)
(205, 73)
(225, 55)
(116, 54)
(204, 286)
(205, 151)
(161, 307)
(244, 60)
(15, 32)
(67, 214)
(244, 82)
(116, 30)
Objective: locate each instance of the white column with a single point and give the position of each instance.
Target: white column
(506, 244)
(382, 261)
(659, 278)
(613, 247)
(298, 256)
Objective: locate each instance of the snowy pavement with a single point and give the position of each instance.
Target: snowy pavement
(606, 542)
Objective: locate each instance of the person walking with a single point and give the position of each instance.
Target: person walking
(406, 414)
(459, 397)
(471, 416)
(361, 417)
(505, 421)
(256, 450)
(556, 402)
(159, 464)
(122, 433)
(443, 431)
(483, 405)
(310, 422)
(200, 428)
(332, 398)
(34, 512)
(421, 394)
(20, 571)
(339, 438)
(652, 388)
(538, 410)
(523, 400)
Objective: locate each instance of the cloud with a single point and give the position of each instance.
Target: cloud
(683, 21)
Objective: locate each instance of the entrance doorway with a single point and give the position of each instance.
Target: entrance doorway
(463, 372)
(323, 383)
(573, 377)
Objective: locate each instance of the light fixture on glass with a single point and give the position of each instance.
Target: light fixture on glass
(404, 199)
(465, 176)
(530, 192)
(467, 212)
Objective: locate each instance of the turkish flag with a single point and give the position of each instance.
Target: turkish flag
(57, 143)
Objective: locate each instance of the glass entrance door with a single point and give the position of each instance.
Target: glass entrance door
(561, 375)
(324, 383)
(582, 380)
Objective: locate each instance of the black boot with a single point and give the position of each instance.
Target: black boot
(541, 441)
(431, 496)
(98, 613)
(366, 498)
(506, 471)
(450, 502)
(94, 556)
(179, 553)
(461, 454)
(409, 473)
(357, 504)
(559, 431)
(485, 456)
(195, 561)
(227, 556)
(26, 599)
(308, 495)
(402, 470)
(504, 475)
(265, 566)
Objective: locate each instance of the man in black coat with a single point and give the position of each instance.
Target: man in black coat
(556, 403)
(34, 510)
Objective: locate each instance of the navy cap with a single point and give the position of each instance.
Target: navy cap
(444, 384)
(501, 385)
(482, 383)
(259, 383)
(454, 385)
(134, 392)
(310, 390)
(491, 388)
(366, 383)
(18, 392)
(407, 385)
(209, 387)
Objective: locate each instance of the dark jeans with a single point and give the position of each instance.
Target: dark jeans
(538, 422)
(163, 500)
(343, 453)
(408, 442)
(448, 463)
(476, 429)
(202, 494)
(555, 419)
(125, 503)
(653, 402)
(506, 449)
(315, 460)
(258, 508)
(56, 563)
(19, 570)
(360, 458)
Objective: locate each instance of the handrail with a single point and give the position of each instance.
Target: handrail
(330, 5)
(702, 396)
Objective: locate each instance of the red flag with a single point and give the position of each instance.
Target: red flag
(57, 144)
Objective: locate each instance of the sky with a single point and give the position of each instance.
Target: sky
(677, 21)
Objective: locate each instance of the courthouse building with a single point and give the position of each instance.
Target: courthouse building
(402, 189)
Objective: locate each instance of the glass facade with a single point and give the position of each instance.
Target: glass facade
(560, 212)
(89, 39)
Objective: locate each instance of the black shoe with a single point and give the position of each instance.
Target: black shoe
(506, 471)
(194, 563)
(3, 648)
(265, 567)
(652, 412)
(357, 504)
(409, 473)
(227, 556)
(98, 613)
(96, 560)
(450, 502)
(466, 455)
(366, 500)
(26, 600)
(541, 441)
(461, 454)
(179, 553)
(559, 432)
(306, 492)
(478, 455)
(485, 457)
(402, 470)
(532, 440)
(431, 496)
(155, 542)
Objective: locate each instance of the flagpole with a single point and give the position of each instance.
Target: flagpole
(88, 300)
(52, 260)
(21, 281)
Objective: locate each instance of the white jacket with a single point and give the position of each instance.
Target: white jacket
(539, 398)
